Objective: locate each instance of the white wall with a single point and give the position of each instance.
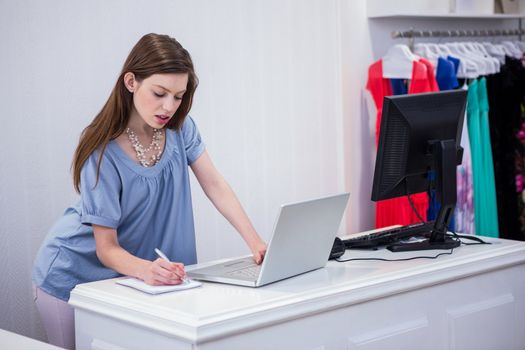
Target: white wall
(268, 107)
(278, 105)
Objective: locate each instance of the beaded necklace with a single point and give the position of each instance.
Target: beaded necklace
(141, 151)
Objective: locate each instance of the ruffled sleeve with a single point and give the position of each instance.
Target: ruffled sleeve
(100, 201)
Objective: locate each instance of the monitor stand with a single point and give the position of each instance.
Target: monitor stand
(445, 155)
(447, 244)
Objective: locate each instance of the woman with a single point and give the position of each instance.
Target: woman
(134, 198)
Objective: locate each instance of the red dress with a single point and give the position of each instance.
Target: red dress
(398, 210)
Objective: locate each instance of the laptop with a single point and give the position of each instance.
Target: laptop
(302, 239)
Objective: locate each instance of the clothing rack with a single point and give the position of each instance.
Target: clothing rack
(411, 34)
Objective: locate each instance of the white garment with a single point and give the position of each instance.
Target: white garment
(464, 211)
(58, 318)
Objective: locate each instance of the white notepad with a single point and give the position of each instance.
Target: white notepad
(146, 288)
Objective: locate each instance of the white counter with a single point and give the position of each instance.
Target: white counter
(10, 340)
(472, 299)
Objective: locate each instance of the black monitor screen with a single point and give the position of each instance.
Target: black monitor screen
(409, 123)
(419, 140)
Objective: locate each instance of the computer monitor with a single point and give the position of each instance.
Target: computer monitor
(419, 148)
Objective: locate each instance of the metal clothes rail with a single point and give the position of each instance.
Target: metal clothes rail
(414, 33)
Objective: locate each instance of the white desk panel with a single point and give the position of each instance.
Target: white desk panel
(353, 305)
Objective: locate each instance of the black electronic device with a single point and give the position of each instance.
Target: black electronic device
(388, 236)
(419, 148)
(338, 249)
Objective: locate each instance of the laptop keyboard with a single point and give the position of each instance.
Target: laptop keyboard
(247, 272)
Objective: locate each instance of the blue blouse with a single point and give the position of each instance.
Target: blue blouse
(446, 74)
(149, 207)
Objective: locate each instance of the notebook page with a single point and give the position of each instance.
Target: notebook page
(146, 288)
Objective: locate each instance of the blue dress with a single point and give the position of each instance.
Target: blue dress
(149, 207)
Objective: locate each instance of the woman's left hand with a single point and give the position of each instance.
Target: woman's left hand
(258, 251)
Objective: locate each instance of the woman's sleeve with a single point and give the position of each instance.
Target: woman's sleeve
(100, 201)
(192, 140)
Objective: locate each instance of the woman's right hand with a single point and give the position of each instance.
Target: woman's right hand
(162, 272)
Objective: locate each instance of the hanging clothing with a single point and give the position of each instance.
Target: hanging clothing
(398, 210)
(464, 212)
(399, 86)
(505, 93)
(475, 139)
(486, 218)
(379, 88)
(490, 227)
(446, 74)
(519, 162)
(456, 61)
(427, 83)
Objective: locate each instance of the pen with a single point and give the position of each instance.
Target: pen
(163, 256)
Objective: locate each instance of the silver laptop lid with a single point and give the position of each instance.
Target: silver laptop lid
(303, 237)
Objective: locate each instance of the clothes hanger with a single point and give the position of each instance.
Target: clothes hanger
(494, 51)
(513, 49)
(398, 62)
(520, 45)
(434, 48)
(433, 52)
(483, 66)
(472, 49)
(424, 50)
(473, 69)
(490, 66)
(505, 49)
(485, 53)
(445, 51)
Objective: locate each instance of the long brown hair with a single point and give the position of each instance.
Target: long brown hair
(153, 54)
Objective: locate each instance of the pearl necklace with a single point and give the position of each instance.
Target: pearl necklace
(141, 151)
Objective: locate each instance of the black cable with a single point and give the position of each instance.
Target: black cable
(412, 203)
(414, 208)
(454, 234)
(469, 237)
(475, 243)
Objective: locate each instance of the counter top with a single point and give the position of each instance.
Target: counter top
(205, 312)
(10, 340)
